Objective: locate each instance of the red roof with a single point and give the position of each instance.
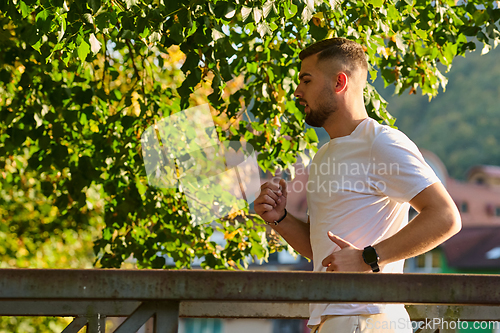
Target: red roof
(490, 170)
(474, 248)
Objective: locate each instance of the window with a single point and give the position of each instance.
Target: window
(421, 261)
(497, 211)
(464, 207)
(288, 326)
(436, 259)
(493, 253)
(205, 325)
(429, 262)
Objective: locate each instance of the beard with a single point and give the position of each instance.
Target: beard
(318, 116)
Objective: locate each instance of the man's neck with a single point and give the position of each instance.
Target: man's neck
(344, 122)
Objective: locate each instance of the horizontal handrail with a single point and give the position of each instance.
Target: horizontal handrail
(219, 309)
(94, 294)
(257, 286)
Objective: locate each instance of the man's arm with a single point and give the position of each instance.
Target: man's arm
(270, 205)
(296, 233)
(438, 220)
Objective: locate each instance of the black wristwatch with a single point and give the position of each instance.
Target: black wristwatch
(371, 258)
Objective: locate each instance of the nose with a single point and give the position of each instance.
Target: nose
(297, 93)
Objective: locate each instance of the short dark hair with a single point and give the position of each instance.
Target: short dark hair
(348, 51)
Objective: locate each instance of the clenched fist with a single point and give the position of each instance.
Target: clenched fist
(271, 202)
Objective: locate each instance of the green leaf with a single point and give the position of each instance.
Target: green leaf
(83, 50)
(131, 3)
(486, 49)
(307, 14)
(95, 44)
(192, 60)
(222, 8)
(245, 12)
(257, 14)
(264, 29)
(24, 9)
(267, 8)
(216, 34)
(311, 135)
(290, 10)
(95, 5)
(376, 3)
(317, 32)
(450, 50)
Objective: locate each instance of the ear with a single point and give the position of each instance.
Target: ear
(341, 83)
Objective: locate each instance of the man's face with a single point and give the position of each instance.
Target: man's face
(315, 92)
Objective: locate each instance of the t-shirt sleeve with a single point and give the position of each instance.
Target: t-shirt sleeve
(399, 170)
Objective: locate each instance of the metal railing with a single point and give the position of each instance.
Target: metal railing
(92, 295)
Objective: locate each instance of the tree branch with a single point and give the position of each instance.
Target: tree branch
(131, 52)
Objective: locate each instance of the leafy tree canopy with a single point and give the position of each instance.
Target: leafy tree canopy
(460, 125)
(82, 80)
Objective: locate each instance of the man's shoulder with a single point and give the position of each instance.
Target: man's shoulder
(384, 135)
(392, 144)
(372, 128)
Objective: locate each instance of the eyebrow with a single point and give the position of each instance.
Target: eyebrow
(301, 76)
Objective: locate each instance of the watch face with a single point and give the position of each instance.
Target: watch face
(369, 255)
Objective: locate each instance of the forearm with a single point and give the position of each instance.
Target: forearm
(270, 205)
(426, 231)
(438, 220)
(296, 233)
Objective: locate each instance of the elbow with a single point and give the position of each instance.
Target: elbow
(453, 221)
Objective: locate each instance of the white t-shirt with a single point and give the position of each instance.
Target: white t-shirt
(359, 187)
